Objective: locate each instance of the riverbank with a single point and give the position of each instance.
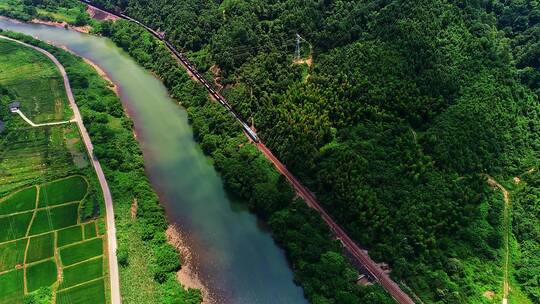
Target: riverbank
(158, 273)
(81, 29)
(187, 276)
(103, 75)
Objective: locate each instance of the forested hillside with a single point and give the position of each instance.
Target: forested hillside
(520, 21)
(406, 105)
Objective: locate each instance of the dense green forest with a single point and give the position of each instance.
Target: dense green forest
(406, 104)
(248, 175)
(526, 228)
(520, 21)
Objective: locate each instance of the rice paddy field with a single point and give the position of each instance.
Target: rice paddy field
(34, 155)
(49, 246)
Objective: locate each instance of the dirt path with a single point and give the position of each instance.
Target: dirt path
(111, 229)
(43, 124)
(506, 222)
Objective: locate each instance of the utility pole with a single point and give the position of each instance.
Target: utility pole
(297, 51)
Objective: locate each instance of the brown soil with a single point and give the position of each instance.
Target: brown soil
(186, 275)
(308, 61)
(134, 207)
(100, 15)
(489, 294)
(216, 71)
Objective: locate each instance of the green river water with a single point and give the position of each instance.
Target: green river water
(232, 253)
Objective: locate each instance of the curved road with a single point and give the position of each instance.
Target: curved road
(111, 229)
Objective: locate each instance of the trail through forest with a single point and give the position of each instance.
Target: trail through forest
(506, 226)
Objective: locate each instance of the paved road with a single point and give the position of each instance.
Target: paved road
(358, 253)
(111, 229)
(43, 124)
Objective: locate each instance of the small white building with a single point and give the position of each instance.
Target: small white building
(14, 106)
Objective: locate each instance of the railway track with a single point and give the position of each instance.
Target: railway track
(356, 252)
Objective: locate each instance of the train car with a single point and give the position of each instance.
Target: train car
(250, 132)
(189, 66)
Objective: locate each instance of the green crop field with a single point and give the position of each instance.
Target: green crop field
(41, 274)
(12, 290)
(12, 254)
(82, 272)
(63, 191)
(32, 239)
(45, 183)
(90, 231)
(14, 226)
(68, 236)
(81, 251)
(84, 294)
(34, 155)
(41, 223)
(64, 216)
(34, 81)
(21, 201)
(40, 247)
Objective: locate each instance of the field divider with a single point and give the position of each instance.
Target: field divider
(90, 259)
(40, 209)
(83, 283)
(80, 242)
(114, 276)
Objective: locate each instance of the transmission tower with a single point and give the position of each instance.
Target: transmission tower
(297, 50)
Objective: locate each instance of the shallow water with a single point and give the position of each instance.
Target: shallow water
(232, 253)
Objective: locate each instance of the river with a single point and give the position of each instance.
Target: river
(232, 253)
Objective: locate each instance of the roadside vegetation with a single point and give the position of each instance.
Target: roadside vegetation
(71, 12)
(48, 190)
(406, 106)
(148, 264)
